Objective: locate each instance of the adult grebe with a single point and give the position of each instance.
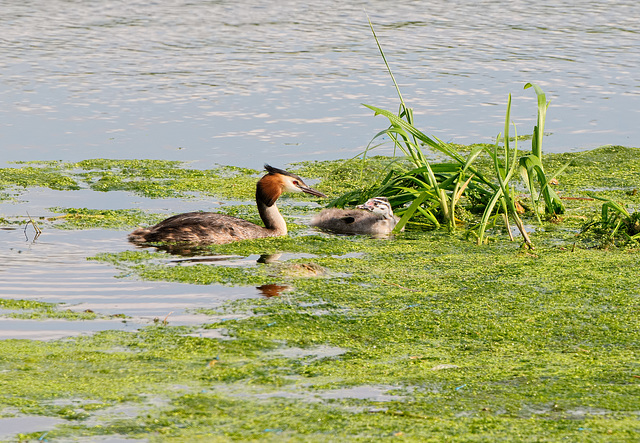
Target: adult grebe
(375, 217)
(212, 228)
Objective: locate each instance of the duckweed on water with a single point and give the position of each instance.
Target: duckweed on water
(83, 218)
(529, 345)
(30, 309)
(475, 343)
(609, 168)
(26, 177)
(149, 178)
(480, 342)
(597, 169)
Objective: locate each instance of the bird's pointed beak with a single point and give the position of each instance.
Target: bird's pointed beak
(308, 190)
(366, 206)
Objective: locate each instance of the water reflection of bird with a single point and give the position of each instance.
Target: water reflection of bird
(375, 217)
(214, 228)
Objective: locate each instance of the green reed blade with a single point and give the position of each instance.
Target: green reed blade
(411, 210)
(385, 61)
(543, 104)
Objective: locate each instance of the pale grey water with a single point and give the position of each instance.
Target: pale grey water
(243, 83)
(54, 268)
(247, 82)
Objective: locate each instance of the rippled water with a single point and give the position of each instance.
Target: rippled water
(54, 268)
(246, 82)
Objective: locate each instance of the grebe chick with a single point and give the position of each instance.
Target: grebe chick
(375, 217)
(206, 228)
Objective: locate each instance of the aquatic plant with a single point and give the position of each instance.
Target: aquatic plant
(531, 165)
(145, 177)
(434, 191)
(30, 176)
(425, 189)
(83, 218)
(615, 224)
(31, 309)
(447, 331)
(504, 172)
(455, 336)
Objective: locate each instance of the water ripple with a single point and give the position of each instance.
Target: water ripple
(118, 78)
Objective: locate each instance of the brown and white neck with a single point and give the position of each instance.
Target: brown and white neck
(272, 218)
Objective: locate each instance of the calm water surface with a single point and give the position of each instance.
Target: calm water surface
(246, 82)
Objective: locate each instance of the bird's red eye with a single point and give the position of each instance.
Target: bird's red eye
(295, 182)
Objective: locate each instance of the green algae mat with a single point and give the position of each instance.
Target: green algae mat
(424, 336)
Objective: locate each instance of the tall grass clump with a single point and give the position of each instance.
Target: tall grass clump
(429, 190)
(432, 192)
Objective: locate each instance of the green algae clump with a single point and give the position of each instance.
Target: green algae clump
(423, 336)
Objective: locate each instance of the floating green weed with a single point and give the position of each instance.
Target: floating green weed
(149, 178)
(30, 176)
(24, 304)
(158, 179)
(35, 310)
(137, 256)
(465, 342)
(83, 218)
(599, 170)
